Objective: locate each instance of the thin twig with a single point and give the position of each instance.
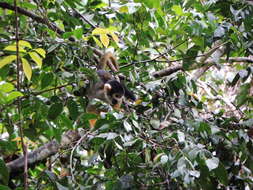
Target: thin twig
(24, 147)
(154, 59)
(72, 153)
(83, 18)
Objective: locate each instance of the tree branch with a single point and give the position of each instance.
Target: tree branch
(240, 59)
(35, 17)
(167, 71)
(44, 151)
(212, 57)
(20, 122)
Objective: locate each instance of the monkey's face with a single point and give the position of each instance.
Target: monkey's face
(114, 93)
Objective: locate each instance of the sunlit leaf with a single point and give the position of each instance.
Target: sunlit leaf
(115, 37)
(36, 58)
(104, 39)
(14, 48)
(25, 44)
(177, 9)
(27, 69)
(78, 33)
(13, 95)
(123, 9)
(6, 87)
(97, 42)
(41, 51)
(99, 31)
(6, 60)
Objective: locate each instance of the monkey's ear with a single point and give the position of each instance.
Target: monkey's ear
(107, 87)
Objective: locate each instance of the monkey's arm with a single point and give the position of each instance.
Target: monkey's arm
(108, 59)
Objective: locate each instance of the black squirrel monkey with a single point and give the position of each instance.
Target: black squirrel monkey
(107, 88)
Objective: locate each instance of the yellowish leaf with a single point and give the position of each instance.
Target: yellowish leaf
(41, 51)
(24, 44)
(123, 9)
(36, 58)
(85, 38)
(137, 102)
(27, 69)
(14, 48)
(6, 60)
(115, 37)
(99, 31)
(16, 139)
(104, 39)
(97, 42)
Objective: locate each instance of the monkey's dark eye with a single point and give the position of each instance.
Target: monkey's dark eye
(117, 96)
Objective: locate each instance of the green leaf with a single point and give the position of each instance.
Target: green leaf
(41, 51)
(27, 69)
(55, 110)
(222, 174)
(4, 172)
(28, 5)
(66, 35)
(78, 33)
(6, 60)
(46, 80)
(73, 109)
(36, 58)
(177, 9)
(3, 187)
(6, 87)
(13, 95)
(212, 163)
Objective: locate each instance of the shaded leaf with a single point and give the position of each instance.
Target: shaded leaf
(4, 173)
(46, 80)
(55, 110)
(73, 109)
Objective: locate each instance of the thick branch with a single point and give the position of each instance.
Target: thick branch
(33, 16)
(240, 59)
(213, 56)
(44, 151)
(167, 71)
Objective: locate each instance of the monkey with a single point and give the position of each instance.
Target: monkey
(107, 88)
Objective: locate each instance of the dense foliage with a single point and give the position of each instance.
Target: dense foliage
(189, 129)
